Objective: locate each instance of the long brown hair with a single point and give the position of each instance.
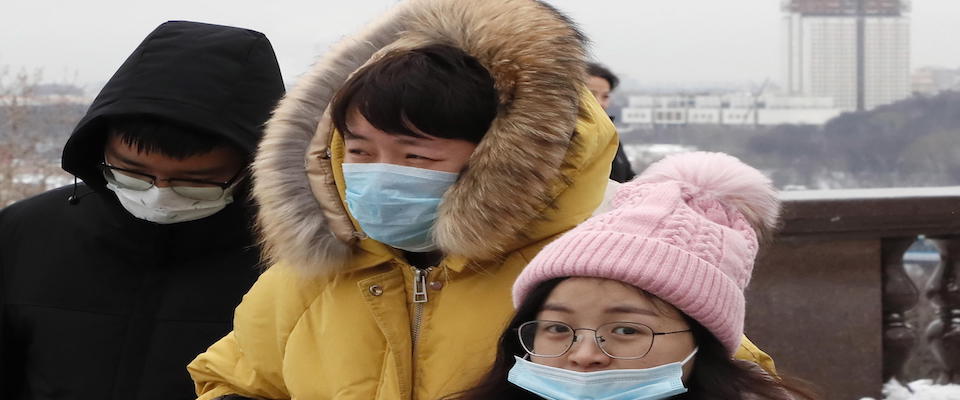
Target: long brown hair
(715, 375)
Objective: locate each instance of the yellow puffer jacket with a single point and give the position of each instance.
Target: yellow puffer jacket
(341, 316)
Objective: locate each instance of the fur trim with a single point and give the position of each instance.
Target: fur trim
(291, 221)
(537, 59)
(725, 178)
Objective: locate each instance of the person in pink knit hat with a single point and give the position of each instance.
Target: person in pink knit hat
(645, 301)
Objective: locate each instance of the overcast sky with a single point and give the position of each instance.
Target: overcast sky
(649, 42)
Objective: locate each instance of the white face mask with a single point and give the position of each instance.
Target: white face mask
(164, 206)
(554, 383)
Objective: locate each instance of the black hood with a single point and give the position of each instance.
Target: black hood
(216, 79)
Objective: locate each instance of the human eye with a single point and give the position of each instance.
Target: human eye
(125, 173)
(357, 154)
(132, 174)
(628, 330)
(194, 182)
(419, 157)
(556, 328)
(625, 330)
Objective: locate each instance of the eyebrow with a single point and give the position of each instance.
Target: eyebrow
(557, 307)
(348, 135)
(401, 139)
(612, 310)
(207, 171)
(138, 165)
(411, 140)
(629, 310)
(127, 161)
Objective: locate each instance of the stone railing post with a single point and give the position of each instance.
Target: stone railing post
(837, 263)
(944, 291)
(899, 296)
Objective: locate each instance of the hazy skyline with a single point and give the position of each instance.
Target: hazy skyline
(650, 42)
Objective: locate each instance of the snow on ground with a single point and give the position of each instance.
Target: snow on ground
(642, 155)
(923, 389)
(854, 194)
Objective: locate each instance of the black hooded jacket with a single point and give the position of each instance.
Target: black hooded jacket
(97, 304)
(620, 170)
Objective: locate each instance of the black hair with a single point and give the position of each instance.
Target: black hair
(439, 90)
(154, 135)
(599, 71)
(715, 375)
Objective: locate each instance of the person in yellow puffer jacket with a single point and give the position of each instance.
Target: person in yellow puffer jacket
(404, 183)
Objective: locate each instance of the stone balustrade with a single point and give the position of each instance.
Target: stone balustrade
(830, 297)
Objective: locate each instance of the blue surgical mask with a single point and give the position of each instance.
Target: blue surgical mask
(615, 384)
(396, 205)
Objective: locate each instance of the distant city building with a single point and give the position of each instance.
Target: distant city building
(859, 57)
(728, 109)
(933, 80)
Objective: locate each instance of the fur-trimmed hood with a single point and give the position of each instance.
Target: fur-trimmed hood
(525, 162)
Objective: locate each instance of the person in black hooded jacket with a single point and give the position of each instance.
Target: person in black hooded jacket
(601, 81)
(110, 287)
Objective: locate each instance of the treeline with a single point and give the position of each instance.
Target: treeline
(35, 121)
(31, 139)
(914, 142)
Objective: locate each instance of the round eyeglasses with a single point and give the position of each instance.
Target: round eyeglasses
(190, 188)
(622, 340)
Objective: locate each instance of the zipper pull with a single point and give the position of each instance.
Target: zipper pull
(419, 285)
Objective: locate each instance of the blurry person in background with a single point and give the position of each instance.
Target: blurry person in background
(111, 286)
(601, 83)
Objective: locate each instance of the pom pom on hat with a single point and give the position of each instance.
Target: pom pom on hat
(725, 178)
(686, 230)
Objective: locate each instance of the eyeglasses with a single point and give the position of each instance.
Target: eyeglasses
(190, 188)
(622, 340)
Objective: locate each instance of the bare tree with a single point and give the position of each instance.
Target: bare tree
(28, 163)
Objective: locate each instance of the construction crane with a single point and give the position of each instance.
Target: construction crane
(754, 105)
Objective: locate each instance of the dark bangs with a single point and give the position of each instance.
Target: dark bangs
(438, 90)
(152, 135)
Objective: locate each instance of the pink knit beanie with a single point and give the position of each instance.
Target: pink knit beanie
(685, 231)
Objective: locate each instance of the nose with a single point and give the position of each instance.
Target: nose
(389, 158)
(585, 355)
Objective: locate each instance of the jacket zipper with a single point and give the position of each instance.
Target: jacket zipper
(419, 300)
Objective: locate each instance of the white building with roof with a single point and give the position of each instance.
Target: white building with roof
(727, 109)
